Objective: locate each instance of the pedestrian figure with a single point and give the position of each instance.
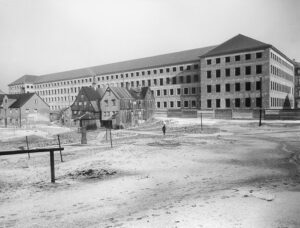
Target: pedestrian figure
(164, 129)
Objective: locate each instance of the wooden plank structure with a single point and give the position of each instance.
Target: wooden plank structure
(41, 150)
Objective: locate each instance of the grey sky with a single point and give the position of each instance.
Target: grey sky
(48, 36)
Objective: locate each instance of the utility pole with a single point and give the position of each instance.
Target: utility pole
(260, 110)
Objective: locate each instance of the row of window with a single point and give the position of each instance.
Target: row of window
(236, 103)
(237, 71)
(237, 58)
(279, 87)
(276, 71)
(179, 91)
(59, 99)
(281, 61)
(237, 87)
(171, 104)
(277, 102)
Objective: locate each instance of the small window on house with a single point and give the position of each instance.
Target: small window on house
(209, 88)
(186, 104)
(196, 66)
(237, 87)
(181, 79)
(258, 69)
(193, 103)
(171, 104)
(248, 102)
(227, 72)
(193, 90)
(258, 102)
(248, 86)
(209, 103)
(218, 73)
(181, 68)
(165, 92)
(259, 55)
(174, 69)
(171, 92)
(208, 73)
(165, 104)
(167, 70)
(237, 71)
(186, 91)
(248, 70)
(218, 103)
(161, 81)
(161, 71)
(218, 88)
(227, 103)
(237, 102)
(237, 58)
(158, 104)
(208, 61)
(137, 73)
(218, 60)
(188, 79)
(227, 59)
(188, 67)
(113, 102)
(227, 87)
(157, 92)
(248, 56)
(258, 85)
(196, 78)
(178, 104)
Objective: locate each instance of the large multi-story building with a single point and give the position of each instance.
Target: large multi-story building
(223, 76)
(297, 85)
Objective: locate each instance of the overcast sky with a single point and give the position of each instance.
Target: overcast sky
(47, 36)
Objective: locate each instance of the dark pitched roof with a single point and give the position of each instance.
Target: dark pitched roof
(25, 79)
(139, 93)
(92, 94)
(121, 92)
(21, 99)
(237, 44)
(130, 65)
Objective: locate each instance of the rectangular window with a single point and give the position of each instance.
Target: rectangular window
(158, 93)
(218, 73)
(196, 66)
(258, 69)
(237, 71)
(227, 59)
(165, 92)
(209, 88)
(171, 92)
(161, 81)
(186, 104)
(158, 104)
(188, 79)
(208, 62)
(259, 55)
(174, 69)
(165, 104)
(196, 78)
(248, 56)
(218, 88)
(167, 70)
(193, 103)
(161, 71)
(180, 79)
(258, 86)
(258, 102)
(248, 86)
(208, 73)
(174, 80)
(178, 91)
(248, 70)
(186, 91)
(237, 86)
(181, 68)
(237, 58)
(171, 104)
(188, 67)
(227, 87)
(154, 71)
(193, 90)
(218, 60)
(209, 103)
(178, 104)
(237, 102)
(227, 102)
(227, 72)
(218, 103)
(248, 102)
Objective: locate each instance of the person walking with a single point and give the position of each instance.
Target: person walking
(164, 128)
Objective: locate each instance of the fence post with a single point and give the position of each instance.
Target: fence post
(61, 159)
(52, 166)
(110, 139)
(27, 146)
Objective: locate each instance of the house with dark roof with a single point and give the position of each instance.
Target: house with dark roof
(23, 109)
(87, 103)
(121, 107)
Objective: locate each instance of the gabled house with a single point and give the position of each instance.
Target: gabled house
(87, 102)
(121, 107)
(144, 104)
(23, 109)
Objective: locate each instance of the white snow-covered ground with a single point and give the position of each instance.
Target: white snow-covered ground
(230, 174)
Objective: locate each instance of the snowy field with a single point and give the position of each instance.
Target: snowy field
(229, 174)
